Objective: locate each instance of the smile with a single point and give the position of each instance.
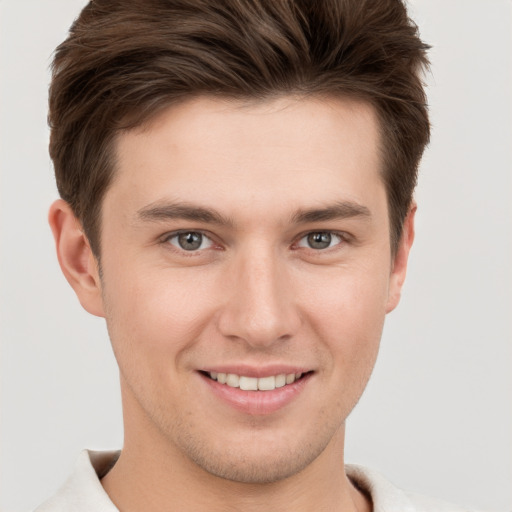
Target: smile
(254, 383)
(257, 391)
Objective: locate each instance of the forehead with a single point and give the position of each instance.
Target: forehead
(273, 153)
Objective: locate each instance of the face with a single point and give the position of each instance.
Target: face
(247, 243)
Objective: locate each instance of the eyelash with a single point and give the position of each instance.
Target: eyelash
(343, 238)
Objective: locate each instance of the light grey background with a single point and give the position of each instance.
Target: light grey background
(436, 417)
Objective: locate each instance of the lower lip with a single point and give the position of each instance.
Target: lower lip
(257, 402)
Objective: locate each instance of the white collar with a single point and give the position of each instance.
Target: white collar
(83, 492)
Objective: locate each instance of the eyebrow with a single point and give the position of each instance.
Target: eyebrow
(338, 210)
(156, 212)
(167, 211)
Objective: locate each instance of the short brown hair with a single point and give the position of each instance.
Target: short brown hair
(124, 60)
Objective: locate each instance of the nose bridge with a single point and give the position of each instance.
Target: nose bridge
(260, 309)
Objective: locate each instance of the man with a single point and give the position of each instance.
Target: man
(236, 182)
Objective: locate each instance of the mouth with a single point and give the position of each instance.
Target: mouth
(246, 383)
(257, 395)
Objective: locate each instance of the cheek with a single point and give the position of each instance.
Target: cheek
(347, 310)
(155, 316)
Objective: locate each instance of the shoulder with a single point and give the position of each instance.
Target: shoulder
(82, 491)
(386, 497)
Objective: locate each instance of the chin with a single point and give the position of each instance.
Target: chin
(258, 457)
(254, 469)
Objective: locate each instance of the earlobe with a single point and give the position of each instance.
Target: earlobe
(400, 260)
(75, 256)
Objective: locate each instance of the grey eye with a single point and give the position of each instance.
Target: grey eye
(190, 241)
(320, 240)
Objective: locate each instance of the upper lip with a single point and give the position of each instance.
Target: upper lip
(256, 371)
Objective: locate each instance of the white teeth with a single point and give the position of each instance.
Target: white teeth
(290, 378)
(280, 380)
(249, 383)
(233, 380)
(266, 383)
(254, 383)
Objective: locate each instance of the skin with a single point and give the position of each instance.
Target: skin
(255, 294)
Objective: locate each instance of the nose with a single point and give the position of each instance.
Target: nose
(260, 308)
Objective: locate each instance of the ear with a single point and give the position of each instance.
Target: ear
(400, 260)
(76, 259)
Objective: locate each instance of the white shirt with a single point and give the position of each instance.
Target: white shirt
(83, 492)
